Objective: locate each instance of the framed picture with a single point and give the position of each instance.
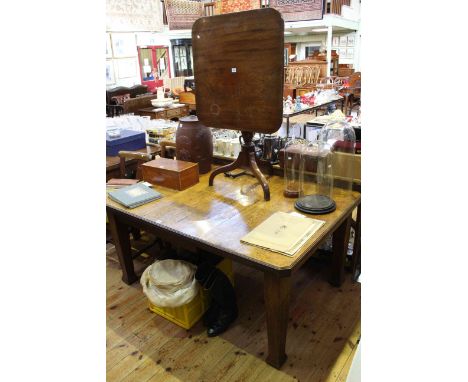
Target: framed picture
(351, 40)
(124, 45)
(110, 77)
(342, 53)
(349, 52)
(108, 46)
(343, 41)
(336, 41)
(127, 67)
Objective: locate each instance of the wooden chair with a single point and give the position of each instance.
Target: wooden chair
(140, 158)
(188, 98)
(353, 92)
(167, 149)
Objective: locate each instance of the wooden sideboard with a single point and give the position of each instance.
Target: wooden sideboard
(167, 113)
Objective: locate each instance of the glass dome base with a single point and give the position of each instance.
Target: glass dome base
(315, 204)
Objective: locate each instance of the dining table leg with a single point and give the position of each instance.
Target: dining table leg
(121, 237)
(340, 249)
(276, 292)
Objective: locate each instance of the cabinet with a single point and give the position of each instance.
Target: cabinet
(183, 57)
(167, 113)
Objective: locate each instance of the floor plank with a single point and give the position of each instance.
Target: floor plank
(323, 332)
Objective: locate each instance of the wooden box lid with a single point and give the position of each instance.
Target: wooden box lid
(170, 164)
(239, 64)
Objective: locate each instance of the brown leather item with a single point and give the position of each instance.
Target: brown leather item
(175, 174)
(122, 182)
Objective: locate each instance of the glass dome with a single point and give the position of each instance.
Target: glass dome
(326, 168)
(292, 159)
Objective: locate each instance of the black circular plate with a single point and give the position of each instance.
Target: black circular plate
(315, 204)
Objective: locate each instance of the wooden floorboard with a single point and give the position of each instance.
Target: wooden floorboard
(323, 332)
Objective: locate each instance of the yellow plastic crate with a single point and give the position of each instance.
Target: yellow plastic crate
(187, 315)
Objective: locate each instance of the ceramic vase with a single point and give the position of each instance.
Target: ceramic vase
(194, 143)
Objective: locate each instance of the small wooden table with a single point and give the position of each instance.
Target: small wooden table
(310, 109)
(167, 113)
(112, 163)
(215, 218)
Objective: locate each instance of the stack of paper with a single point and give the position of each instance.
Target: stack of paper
(282, 232)
(134, 196)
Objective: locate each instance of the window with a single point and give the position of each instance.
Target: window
(309, 50)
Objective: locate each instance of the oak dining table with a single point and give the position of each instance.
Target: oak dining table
(215, 218)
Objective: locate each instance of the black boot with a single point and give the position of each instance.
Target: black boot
(206, 275)
(223, 309)
(211, 315)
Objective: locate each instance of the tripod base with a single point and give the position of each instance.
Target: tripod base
(246, 159)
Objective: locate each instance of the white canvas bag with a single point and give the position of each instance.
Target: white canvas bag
(169, 283)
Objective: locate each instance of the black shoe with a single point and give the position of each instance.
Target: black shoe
(211, 315)
(222, 323)
(223, 307)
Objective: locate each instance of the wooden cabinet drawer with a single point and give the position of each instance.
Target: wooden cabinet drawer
(176, 112)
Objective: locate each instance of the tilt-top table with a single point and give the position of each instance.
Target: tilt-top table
(215, 218)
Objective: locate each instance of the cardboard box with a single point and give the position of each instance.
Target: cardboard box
(175, 174)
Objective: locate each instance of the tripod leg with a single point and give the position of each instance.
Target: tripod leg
(229, 167)
(258, 174)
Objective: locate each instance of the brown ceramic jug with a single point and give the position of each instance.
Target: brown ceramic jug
(194, 143)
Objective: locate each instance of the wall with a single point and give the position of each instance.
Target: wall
(353, 12)
(122, 60)
(124, 23)
(120, 63)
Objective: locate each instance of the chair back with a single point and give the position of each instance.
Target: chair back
(187, 98)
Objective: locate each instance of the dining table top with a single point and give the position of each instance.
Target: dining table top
(217, 217)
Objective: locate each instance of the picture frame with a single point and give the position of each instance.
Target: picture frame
(336, 41)
(342, 53)
(350, 40)
(127, 67)
(108, 46)
(343, 40)
(124, 45)
(349, 52)
(110, 75)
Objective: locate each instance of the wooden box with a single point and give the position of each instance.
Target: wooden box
(175, 174)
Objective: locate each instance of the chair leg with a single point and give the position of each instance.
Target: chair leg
(135, 233)
(356, 259)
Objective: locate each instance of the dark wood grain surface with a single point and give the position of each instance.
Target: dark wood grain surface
(238, 60)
